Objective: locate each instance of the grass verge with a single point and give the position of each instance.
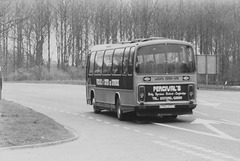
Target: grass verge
(21, 126)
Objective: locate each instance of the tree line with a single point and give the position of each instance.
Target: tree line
(35, 33)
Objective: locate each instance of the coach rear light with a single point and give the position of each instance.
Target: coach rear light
(190, 92)
(141, 93)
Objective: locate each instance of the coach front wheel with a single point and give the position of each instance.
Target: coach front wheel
(120, 114)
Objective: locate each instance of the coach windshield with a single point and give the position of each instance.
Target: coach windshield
(165, 59)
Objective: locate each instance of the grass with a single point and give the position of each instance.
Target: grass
(20, 125)
(41, 73)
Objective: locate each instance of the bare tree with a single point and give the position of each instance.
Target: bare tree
(41, 18)
(62, 25)
(49, 13)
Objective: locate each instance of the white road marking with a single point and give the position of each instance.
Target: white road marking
(201, 102)
(194, 131)
(215, 106)
(137, 130)
(127, 128)
(207, 124)
(191, 152)
(149, 134)
(227, 109)
(163, 138)
(202, 150)
(230, 122)
(204, 114)
(187, 145)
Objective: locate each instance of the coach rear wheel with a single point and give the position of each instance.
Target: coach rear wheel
(120, 114)
(95, 108)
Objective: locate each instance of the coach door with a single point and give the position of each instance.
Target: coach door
(127, 74)
(89, 75)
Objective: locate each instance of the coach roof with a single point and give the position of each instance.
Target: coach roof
(139, 42)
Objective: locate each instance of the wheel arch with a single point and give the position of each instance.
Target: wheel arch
(92, 95)
(117, 96)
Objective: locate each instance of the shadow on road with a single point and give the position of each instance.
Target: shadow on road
(132, 118)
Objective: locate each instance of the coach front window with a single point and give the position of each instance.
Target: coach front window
(165, 59)
(180, 59)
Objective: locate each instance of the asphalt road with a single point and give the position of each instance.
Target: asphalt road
(211, 133)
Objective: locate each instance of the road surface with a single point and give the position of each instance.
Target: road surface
(211, 133)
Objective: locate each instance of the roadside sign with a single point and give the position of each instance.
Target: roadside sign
(207, 64)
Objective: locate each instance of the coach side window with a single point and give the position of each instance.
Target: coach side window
(107, 62)
(92, 62)
(117, 61)
(126, 60)
(98, 62)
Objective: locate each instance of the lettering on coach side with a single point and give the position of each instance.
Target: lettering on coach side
(107, 82)
(99, 82)
(115, 82)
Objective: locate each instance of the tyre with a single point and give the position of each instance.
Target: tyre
(120, 114)
(95, 108)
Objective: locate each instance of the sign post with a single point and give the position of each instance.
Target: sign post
(207, 64)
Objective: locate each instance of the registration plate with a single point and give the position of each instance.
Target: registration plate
(166, 106)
